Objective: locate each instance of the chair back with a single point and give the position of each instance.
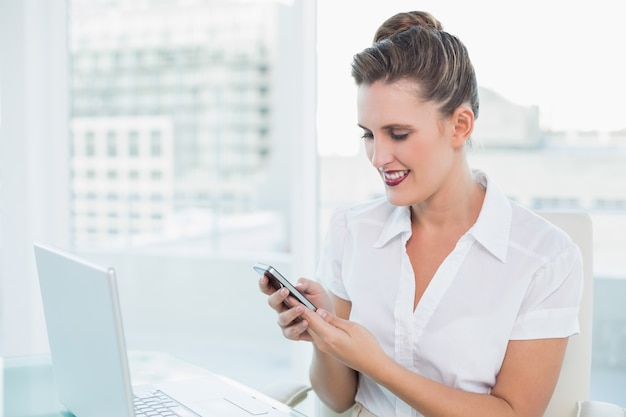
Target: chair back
(573, 383)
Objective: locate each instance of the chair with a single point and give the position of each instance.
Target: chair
(599, 409)
(571, 395)
(573, 383)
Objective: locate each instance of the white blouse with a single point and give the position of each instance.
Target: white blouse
(512, 276)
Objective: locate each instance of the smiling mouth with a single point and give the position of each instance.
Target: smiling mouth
(393, 178)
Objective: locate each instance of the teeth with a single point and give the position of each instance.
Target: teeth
(394, 175)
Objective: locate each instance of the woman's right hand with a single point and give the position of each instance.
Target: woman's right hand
(290, 310)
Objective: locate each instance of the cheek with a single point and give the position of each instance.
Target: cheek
(423, 150)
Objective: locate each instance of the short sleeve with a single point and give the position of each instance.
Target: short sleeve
(551, 304)
(330, 263)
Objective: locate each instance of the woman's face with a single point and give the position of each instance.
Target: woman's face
(408, 141)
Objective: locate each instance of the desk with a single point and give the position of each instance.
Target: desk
(30, 391)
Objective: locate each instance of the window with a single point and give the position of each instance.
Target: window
(148, 98)
(90, 144)
(155, 143)
(111, 144)
(34, 138)
(133, 144)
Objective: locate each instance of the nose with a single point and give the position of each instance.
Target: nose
(379, 152)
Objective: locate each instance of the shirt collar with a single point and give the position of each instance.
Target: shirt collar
(399, 221)
(491, 230)
(493, 226)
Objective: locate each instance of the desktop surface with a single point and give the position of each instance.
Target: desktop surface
(30, 391)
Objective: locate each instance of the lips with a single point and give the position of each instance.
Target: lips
(393, 178)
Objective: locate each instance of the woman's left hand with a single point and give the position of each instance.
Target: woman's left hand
(347, 341)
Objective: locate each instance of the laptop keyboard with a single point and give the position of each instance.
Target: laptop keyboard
(158, 404)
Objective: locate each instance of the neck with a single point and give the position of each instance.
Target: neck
(457, 205)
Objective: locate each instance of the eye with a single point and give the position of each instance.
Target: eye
(398, 136)
(367, 135)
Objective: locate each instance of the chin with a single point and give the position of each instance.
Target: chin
(398, 200)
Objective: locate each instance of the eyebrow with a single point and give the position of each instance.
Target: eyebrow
(389, 126)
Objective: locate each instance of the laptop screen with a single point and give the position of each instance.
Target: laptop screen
(85, 334)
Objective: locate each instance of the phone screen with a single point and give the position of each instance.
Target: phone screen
(277, 280)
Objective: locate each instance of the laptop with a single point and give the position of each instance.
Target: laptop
(89, 357)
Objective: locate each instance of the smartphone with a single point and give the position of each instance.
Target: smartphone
(278, 281)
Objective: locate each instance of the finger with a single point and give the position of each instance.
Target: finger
(292, 324)
(302, 285)
(298, 330)
(318, 330)
(289, 316)
(264, 285)
(276, 300)
(307, 286)
(327, 325)
(319, 321)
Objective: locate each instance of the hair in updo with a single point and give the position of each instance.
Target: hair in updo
(413, 46)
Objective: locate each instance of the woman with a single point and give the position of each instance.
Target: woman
(445, 298)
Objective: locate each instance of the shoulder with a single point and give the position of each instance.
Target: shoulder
(369, 211)
(534, 234)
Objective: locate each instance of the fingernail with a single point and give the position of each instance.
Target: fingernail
(323, 313)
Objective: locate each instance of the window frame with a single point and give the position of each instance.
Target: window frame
(34, 159)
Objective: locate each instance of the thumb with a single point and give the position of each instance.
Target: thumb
(321, 318)
(327, 330)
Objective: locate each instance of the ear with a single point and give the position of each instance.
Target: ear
(463, 125)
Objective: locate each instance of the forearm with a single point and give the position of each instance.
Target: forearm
(434, 399)
(523, 385)
(334, 382)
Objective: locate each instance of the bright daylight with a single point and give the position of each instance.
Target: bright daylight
(312, 208)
